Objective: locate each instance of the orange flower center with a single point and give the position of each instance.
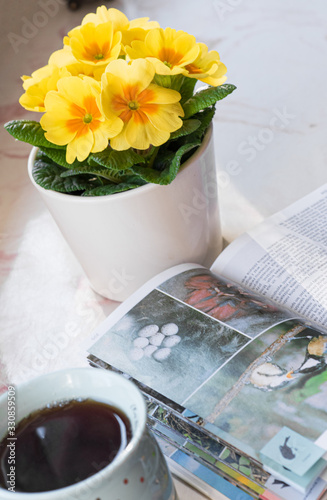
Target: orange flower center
(170, 57)
(192, 69)
(92, 52)
(134, 104)
(85, 118)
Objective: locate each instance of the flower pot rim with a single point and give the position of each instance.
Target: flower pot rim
(132, 192)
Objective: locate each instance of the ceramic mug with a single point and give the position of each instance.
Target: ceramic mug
(138, 472)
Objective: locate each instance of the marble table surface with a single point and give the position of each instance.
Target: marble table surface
(270, 142)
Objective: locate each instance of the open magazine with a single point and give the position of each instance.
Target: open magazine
(233, 359)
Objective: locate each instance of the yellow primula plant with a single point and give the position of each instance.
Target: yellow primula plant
(119, 105)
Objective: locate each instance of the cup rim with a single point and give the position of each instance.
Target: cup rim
(131, 193)
(106, 471)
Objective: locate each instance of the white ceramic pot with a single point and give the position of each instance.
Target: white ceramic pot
(124, 239)
(137, 472)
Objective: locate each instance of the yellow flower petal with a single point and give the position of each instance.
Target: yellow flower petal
(216, 78)
(141, 74)
(142, 138)
(166, 119)
(144, 23)
(119, 20)
(137, 30)
(54, 122)
(103, 15)
(81, 146)
(64, 58)
(162, 95)
(119, 143)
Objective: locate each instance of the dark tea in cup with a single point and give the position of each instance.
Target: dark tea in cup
(63, 444)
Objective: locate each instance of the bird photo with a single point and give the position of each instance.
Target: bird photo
(270, 376)
(286, 451)
(315, 359)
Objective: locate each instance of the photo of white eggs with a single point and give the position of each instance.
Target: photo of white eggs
(155, 342)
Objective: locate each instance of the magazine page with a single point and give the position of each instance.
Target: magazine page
(285, 258)
(246, 367)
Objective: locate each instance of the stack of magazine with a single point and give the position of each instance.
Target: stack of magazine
(232, 360)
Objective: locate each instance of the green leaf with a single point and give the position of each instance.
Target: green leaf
(111, 189)
(117, 160)
(163, 159)
(49, 177)
(40, 155)
(91, 162)
(188, 127)
(134, 179)
(205, 98)
(98, 171)
(115, 177)
(59, 157)
(187, 89)
(205, 117)
(168, 174)
(31, 132)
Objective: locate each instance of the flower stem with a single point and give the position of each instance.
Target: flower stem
(153, 157)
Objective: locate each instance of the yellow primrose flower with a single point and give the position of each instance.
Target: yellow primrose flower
(149, 112)
(135, 29)
(73, 117)
(168, 50)
(93, 45)
(207, 67)
(39, 84)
